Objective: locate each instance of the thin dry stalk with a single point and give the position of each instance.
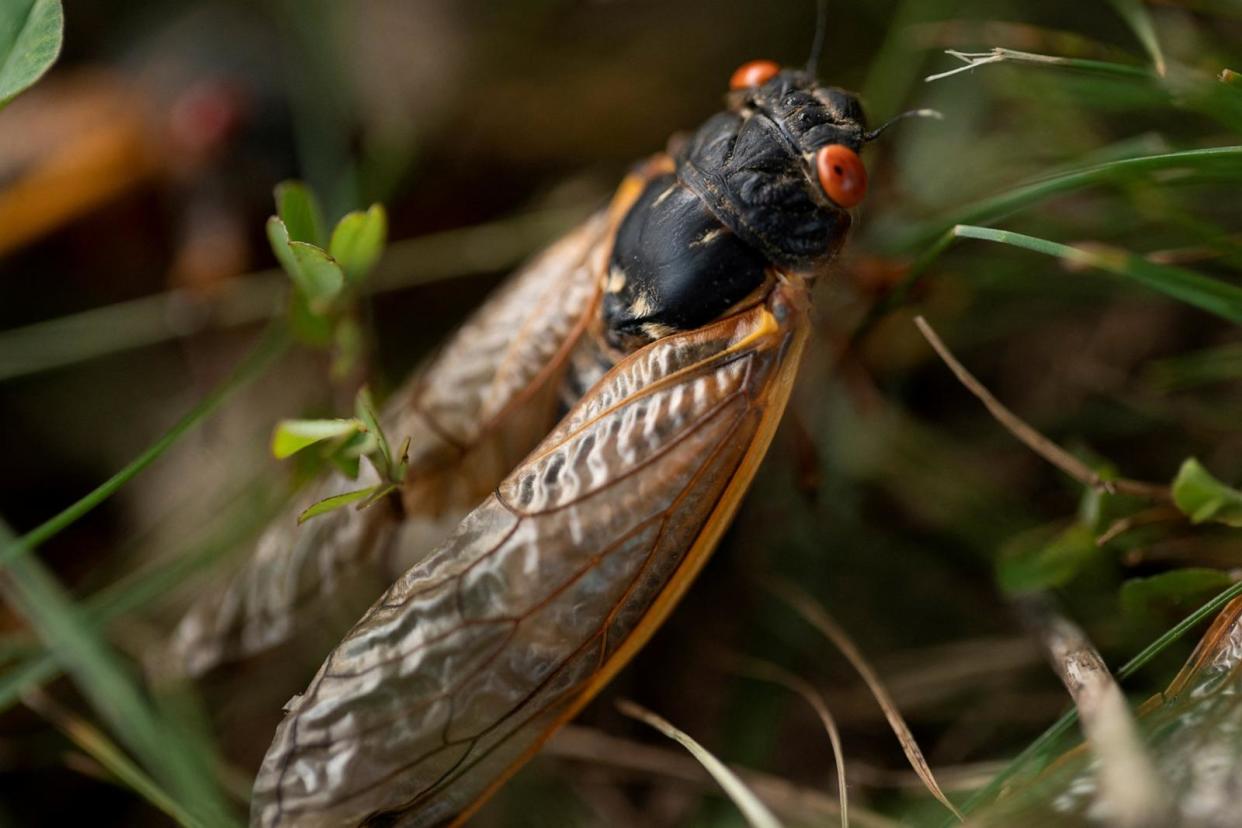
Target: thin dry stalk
(801, 805)
(1037, 442)
(1129, 786)
(767, 671)
(818, 617)
(752, 808)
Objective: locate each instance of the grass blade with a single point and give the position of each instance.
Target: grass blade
(1135, 14)
(1026, 434)
(103, 750)
(818, 617)
(138, 589)
(255, 364)
(108, 685)
(766, 671)
(1211, 164)
(755, 812)
(1214, 296)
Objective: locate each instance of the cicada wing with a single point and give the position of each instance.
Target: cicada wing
(471, 414)
(477, 653)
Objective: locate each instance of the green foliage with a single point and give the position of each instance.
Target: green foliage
(298, 207)
(358, 241)
(317, 275)
(348, 441)
(331, 504)
(1203, 498)
(113, 690)
(327, 275)
(1175, 592)
(1035, 561)
(31, 32)
(291, 436)
(1212, 295)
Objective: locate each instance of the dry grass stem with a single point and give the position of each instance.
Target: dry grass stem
(753, 809)
(1130, 789)
(1037, 442)
(818, 617)
(767, 671)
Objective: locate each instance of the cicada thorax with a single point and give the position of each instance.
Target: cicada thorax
(747, 196)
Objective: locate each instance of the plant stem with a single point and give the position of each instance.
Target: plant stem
(274, 343)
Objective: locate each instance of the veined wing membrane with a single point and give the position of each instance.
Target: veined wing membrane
(480, 650)
(471, 414)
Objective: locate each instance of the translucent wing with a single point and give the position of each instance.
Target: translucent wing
(471, 415)
(461, 669)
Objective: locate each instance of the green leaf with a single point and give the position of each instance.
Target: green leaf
(1174, 592)
(299, 210)
(378, 494)
(31, 32)
(330, 504)
(278, 237)
(365, 409)
(1034, 562)
(316, 274)
(358, 241)
(291, 436)
(347, 459)
(1203, 498)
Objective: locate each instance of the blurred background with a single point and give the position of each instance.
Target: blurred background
(134, 274)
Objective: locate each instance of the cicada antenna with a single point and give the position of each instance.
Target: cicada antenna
(817, 45)
(913, 113)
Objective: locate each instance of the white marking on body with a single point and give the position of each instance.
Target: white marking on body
(657, 330)
(709, 237)
(668, 192)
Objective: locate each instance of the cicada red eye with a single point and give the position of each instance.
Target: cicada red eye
(841, 174)
(754, 73)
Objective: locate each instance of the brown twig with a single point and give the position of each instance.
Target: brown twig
(1037, 442)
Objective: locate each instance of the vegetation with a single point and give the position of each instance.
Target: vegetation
(1023, 408)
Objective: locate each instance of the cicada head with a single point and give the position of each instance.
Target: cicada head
(788, 153)
(765, 186)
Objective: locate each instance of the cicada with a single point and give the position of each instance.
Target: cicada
(664, 334)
